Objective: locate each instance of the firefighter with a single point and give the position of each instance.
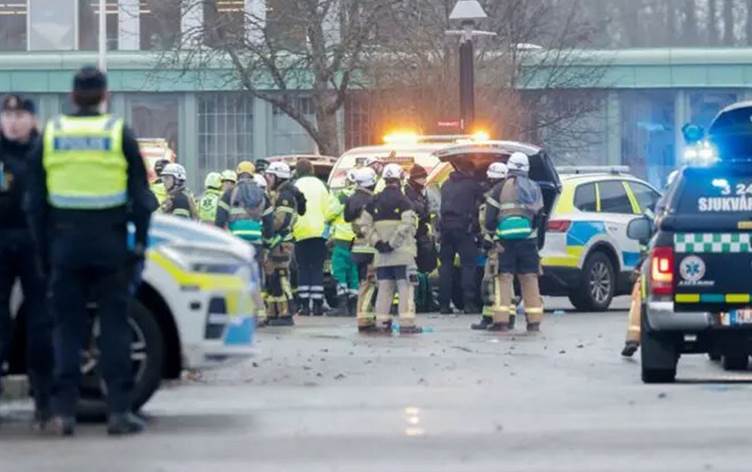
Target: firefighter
(390, 224)
(287, 203)
(514, 213)
(344, 268)
(87, 182)
(426, 259)
(229, 179)
(207, 206)
(243, 172)
(362, 251)
(179, 201)
(157, 187)
(496, 174)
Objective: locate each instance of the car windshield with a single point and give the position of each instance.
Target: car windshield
(720, 190)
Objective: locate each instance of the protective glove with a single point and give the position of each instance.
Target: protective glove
(383, 248)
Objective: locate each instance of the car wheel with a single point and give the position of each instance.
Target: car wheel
(598, 284)
(147, 354)
(658, 354)
(735, 362)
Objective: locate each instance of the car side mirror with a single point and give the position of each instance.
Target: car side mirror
(640, 229)
(693, 134)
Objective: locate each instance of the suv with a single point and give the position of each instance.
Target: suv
(695, 283)
(588, 256)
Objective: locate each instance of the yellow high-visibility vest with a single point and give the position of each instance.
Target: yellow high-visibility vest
(84, 162)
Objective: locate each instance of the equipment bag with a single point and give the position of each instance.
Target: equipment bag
(514, 228)
(247, 203)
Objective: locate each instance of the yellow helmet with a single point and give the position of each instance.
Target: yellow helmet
(229, 176)
(246, 167)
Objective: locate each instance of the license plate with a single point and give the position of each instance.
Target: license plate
(737, 317)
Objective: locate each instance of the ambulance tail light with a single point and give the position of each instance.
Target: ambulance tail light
(662, 271)
(558, 226)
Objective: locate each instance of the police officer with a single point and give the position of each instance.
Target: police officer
(344, 269)
(287, 204)
(87, 182)
(362, 252)
(157, 187)
(18, 135)
(458, 225)
(514, 216)
(310, 245)
(207, 206)
(179, 201)
(497, 173)
(391, 224)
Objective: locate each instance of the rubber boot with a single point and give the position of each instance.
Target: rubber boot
(342, 307)
(282, 321)
(498, 327)
(533, 327)
(64, 425)
(305, 308)
(352, 306)
(446, 310)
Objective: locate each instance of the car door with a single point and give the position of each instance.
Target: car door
(616, 210)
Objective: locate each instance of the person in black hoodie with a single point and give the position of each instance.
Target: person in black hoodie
(18, 135)
(461, 196)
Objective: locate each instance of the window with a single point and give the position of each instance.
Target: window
(646, 196)
(225, 123)
(286, 25)
(88, 25)
(52, 24)
(224, 22)
(614, 197)
(155, 116)
(159, 24)
(584, 197)
(704, 106)
(13, 25)
(288, 136)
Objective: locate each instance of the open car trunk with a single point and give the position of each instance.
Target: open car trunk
(542, 169)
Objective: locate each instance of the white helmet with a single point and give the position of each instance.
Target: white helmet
(260, 180)
(280, 169)
(392, 171)
(371, 160)
(519, 162)
(365, 177)
(497, 170)
(175, 170)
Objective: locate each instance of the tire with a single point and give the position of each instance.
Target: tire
(735, 362)
(658, 354)
(598, 285)
(148, 356)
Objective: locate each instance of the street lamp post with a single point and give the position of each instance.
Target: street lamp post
(467, 13)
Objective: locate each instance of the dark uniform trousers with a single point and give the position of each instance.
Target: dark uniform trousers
(456, 241)
(17, 263)
(81, 275)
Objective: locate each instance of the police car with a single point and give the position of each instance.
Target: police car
(193, 310)
(588, 256)
(696, 284)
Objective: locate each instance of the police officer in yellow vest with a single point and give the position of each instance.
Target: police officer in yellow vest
(513, 212)
(88, 182)
(157, 187)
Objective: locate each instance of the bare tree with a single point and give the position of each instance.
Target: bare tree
(315, 46)
(712, 22)
(691, 35)
(729, 38)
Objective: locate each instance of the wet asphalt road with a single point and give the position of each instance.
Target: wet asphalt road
(322, 398)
